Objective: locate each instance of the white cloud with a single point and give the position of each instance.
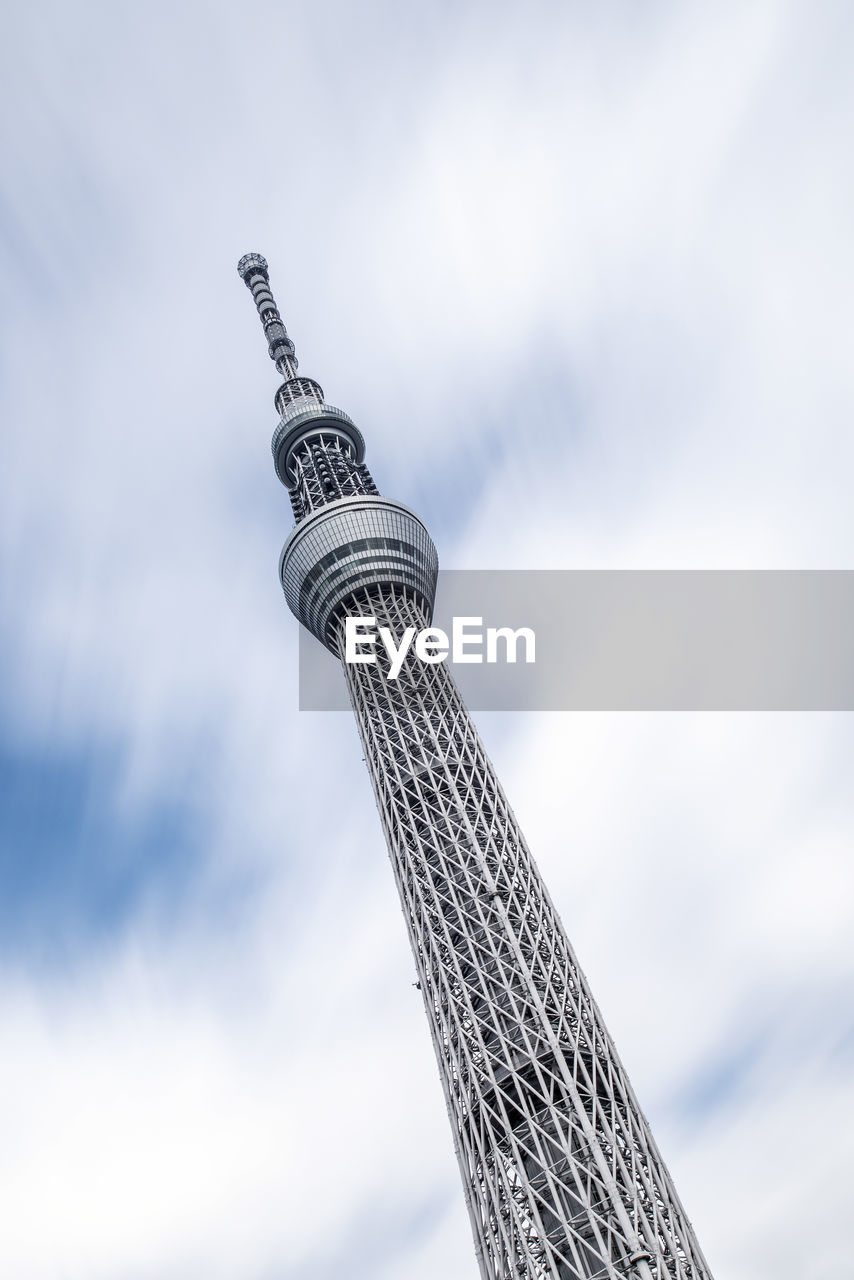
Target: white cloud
(594, 257)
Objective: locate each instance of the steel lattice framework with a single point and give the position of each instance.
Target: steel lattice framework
(562, 1178)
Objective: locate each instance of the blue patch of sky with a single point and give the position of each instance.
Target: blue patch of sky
(21, 259)
(722, 1078)
(61, 222)
(377, 1237)
(842, 1054)
(73, 867)
(540, 413)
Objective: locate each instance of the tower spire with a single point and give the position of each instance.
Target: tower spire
(318, 451)
(254, 273)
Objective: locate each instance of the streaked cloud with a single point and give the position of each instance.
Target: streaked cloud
(592, 253)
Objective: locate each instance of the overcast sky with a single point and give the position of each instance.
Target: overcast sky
(582, 275)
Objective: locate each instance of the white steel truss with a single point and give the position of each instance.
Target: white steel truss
(562, 1178)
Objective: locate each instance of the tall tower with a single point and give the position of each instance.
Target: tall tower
(561, 1175)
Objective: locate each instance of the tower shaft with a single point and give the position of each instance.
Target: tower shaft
(562, 1178)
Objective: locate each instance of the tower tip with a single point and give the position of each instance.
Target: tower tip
(251, 262)
(253, 271)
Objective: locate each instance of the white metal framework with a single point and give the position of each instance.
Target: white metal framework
(561, 1174)
(562, 1178)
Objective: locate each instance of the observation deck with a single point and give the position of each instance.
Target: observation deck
(351, 544)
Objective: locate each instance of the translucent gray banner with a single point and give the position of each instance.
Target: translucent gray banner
(700, 640)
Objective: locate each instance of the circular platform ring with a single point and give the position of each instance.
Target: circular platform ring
(310, 420)
(349, 545)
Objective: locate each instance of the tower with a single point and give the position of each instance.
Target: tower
(562, 1178)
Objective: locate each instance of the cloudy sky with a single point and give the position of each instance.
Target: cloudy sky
(582, 273)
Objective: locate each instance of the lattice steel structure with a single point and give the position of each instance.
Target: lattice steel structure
(562, 1178)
